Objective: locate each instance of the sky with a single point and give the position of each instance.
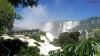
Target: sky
(52, 10)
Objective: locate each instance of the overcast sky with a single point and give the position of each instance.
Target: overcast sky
(50, 10)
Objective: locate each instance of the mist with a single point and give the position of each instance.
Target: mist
(33, 18)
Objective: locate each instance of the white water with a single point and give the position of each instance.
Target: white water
(92, 21)
(50, 36)
(44, 47)
(59, 30)
(98, 20)
(86, 34)
(69, 25)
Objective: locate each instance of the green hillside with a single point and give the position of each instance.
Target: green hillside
(88, 24)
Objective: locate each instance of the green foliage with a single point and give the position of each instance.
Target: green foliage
(14, 45)
(85, 48)
(37, 44)
(42, 33)
(75, 35)
(26, 35)
(42, 41)
(30, 51)
(67, 38)
(1, 39)
(7, 16)
(89, 47)
(55, 53)
(25, 30)
(95, 34)
(42, 55)
(55, 42)
(36, 37)
(97, 54)
(24, 3)
(11, 36)
(87, 25)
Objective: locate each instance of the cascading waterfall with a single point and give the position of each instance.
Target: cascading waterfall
(98, 20)
(69, 25)
(59, 30)
(63, 26)
(80, 31)
(86, 34)
(55, 28)
(92, 21)
(46, 46)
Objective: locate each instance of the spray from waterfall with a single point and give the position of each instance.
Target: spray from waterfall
(98, 20)
(69, 25)
(86, 34)
(92, 21)
(59, 31)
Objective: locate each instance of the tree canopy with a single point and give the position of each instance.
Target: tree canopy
(24, 3)
(30, 51)
(14, 45)
(7, 16)
(89, 47)
(67, 38)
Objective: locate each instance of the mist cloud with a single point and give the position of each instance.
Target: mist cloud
(33, 17)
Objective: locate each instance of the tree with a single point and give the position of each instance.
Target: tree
(36, 37)
(30, 51)
(55, 53)
(42, 33)
(67, 38)
(7, 16)
(24, 3)
(14, 45)
(75, 35)
(1, 39)
(95, 34)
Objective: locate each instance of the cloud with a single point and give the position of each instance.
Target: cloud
(33, 17)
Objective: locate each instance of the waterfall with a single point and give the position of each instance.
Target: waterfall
(59, 30)
(92, 21)
(80, 31)
(86, 34)
(46, 46)
(98, 20)
(69, 25)
(57, 27)
(49, 36)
